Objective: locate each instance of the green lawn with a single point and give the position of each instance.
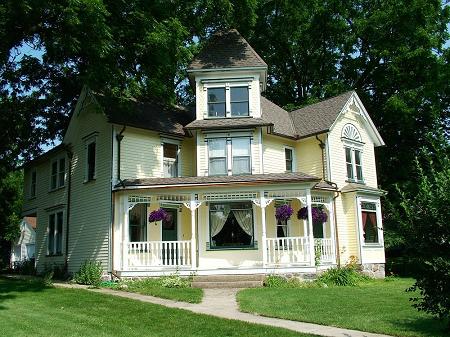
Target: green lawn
(29, 309)
(375, 306)
(153, 287)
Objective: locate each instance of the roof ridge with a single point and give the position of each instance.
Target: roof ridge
(323, 100)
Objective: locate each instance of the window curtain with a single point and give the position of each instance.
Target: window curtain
(218, 219)
(244, 219)
(364, 220)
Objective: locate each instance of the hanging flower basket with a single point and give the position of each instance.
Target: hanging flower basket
(158, 215)
(318, 214)
(284, 212)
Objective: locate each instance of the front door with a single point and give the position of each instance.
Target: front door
(170, 233)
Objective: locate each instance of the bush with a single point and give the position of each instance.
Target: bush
(26, 267)
(175, 281)
(90, 273)
(276, 281)
(345, 276)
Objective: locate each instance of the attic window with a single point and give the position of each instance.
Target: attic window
(350, 132)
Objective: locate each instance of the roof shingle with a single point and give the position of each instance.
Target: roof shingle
(319, 117)
(282, 123)
(227, 123)
(211, 180)
(227, 50)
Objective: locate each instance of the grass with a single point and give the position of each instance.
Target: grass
(154, 287)
(27, 308)
(374, 306)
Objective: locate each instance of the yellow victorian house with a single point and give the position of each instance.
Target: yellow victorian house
(236, 186)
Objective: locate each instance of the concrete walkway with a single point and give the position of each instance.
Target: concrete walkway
(222, 303)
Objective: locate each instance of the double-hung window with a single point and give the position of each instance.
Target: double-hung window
(239, 101)
(90, 146)
(369, 217)
(228, 101)
(288, 154)
(216, 102)
(240, 148)
(217, 150)
(58, 174)
(353, 163)
(229, 156)
(170, 160)
(55, 229)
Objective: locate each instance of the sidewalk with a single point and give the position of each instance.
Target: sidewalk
(222, 303)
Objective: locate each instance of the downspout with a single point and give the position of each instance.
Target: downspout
(119, 138)
(322, 147)
(69, 193)
(336, 232)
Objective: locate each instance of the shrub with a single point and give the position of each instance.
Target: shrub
(276, 281)
(345, 276)
(175, 281)
(26, 267)
(90, 273)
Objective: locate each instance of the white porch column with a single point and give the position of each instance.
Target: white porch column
(125, 233)
(332, 227)
(312, 254)
(193, 205)
(263, 225)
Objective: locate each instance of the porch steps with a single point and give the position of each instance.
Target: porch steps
(228, 281)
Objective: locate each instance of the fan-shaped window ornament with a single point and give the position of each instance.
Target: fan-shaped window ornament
(349, 131)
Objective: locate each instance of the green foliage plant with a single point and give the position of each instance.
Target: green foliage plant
(90, 273)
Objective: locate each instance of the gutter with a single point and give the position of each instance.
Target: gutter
(119, 138)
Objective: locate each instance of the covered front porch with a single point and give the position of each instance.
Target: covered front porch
(226, 231)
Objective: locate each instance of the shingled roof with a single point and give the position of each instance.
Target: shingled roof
(282, 123)
(227, 50)
(293, 177)
(149, 115)
(319, 117)
(227, 123)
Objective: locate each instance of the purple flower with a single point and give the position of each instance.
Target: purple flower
(318, 214)
(283, 212)
(157, 215)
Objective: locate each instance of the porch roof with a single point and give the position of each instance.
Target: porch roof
(294, 177)
(354, 187)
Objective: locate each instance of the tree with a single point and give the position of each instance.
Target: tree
(423, 216)
(10, 212)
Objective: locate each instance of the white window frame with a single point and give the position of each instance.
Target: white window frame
(229, 153)
(353, 148)
(53, 251)
(294, 168)
(33, 184)
(227, 86)
(178, 159)
(58, 184)
(87, 142)
(230, 144)
(376, 201)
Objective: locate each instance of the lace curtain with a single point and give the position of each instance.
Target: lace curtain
(244, 219)
(218, 219)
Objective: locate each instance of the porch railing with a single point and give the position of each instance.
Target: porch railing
(288, 251)
(159, 253)
(325, 249)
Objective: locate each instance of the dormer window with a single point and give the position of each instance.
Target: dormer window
(228, 101)
(239, 101)
(216, 102)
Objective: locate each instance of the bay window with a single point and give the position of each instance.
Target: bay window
(231, 225)
(369, 222)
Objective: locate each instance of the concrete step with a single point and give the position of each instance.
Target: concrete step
(228, 278)
(226, 284)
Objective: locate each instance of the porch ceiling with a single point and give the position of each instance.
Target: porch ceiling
(294, 177)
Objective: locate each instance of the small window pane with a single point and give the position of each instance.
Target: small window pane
(217, 147)
(357, 157)
(54, 177)
(241, 146)
(62, 172)
(359, 175)
(241, 165)
(348, 155)
(349, 171)
(170, 150)
(216, 95)
(217, 166)
(33, 184)
(51, 234)
(59, 229)
(239, 94)
(216, 109)
(239, 109)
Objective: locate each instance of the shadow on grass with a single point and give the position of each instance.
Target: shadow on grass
(10, 287)
(431, 327)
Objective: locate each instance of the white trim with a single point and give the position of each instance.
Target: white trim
(57, 160)
(261, 154)
(55, 213)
